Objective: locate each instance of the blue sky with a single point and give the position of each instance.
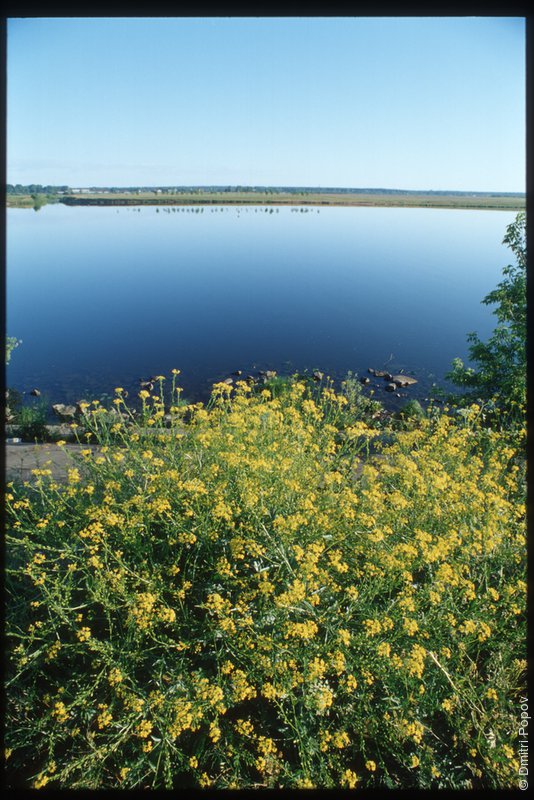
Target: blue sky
(400, 102)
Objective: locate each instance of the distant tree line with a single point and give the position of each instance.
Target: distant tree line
(297, 190)
(35, 189)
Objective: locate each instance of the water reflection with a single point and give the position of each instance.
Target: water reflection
(103, 296)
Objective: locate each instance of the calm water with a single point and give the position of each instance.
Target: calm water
(102, 297)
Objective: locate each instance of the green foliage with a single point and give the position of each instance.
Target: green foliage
(500, 373)
(230, 604)
(34, 188)
(13, 400)
(39, 200)
(30, 422)
(410, 415)
(11, 344)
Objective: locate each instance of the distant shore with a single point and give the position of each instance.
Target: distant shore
(477, 201)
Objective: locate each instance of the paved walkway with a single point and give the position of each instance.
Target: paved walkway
(22, 458)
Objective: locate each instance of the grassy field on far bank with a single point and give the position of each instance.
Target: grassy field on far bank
(408, 200)
(20, 201)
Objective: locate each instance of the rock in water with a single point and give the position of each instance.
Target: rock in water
(390, 387)
(403, 380)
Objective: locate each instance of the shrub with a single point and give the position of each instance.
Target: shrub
(227, 604)
(30, 422)
(11, 344)
(500, 374)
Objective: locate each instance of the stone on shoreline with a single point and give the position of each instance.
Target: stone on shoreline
(64, 412)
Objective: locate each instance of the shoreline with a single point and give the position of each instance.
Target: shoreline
(379, 201)
(366, 200)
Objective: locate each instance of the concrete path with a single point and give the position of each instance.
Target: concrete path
(22, 458)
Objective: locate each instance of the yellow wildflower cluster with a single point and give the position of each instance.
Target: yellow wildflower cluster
(104, 718)
(412, 729)
(301, 630)
(241, 688)
(255, 581)
(60, 712)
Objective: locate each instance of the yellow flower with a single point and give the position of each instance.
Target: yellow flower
(84, 634)
(115, 676)
(372, 627)
(384, 649)
(60, 712)
(324, 698)
(370, 765)
(144, 728)
(269, 691)
(411, 626)
(244, 727)
(302, 630)
(508, 752)
(214, 732)
(349, 779)
(317, 669)
(73, 475)
(104, 718)
(344, 636)
(341, 739)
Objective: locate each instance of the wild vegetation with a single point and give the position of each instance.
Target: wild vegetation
(33, 195)
(241, 196)
(282, 588)
(11, 343)
(36, 195)
(500, 374)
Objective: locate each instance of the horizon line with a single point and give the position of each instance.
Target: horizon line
(239, 186)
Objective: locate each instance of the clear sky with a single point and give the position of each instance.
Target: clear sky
(399, 102)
